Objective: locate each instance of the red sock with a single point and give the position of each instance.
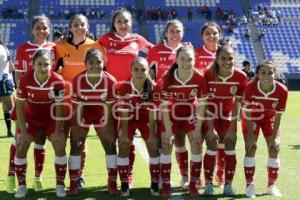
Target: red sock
(112, 174)
(74, 170)
(209, 165)
(39, 159)
(21, 167)
(182, 160)
(249, 169)
(83, 159)
(123, 168)
(272, 175)
(273, 167)
(230, 165)
(131, 159)
(195, 172)
(11, 164)
(60, 169)
(220, 163)
(154, 172)
(165, 170)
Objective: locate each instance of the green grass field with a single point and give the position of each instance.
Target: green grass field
(95, 173)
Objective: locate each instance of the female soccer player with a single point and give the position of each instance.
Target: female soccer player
(211, 33)
(71, 52)
(122, 47)
(137, 112)
(226, 84)
(160, 59)
(93, 95)
(38, 110)
(40, 29)
(183, 92)
(265, 101)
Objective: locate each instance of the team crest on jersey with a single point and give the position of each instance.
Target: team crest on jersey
(134, 45)
(275, 104)
(103, 96)
(194, 92)
(233, 90)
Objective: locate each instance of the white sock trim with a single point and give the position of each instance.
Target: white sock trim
(39, 146)
(274, 162)
(154, 161)
(61, 160)
(210, 152)
(165, 159)
(196, 157)
(74, 162)
(111, 161)
(249, 161)
(230, 153)
(20, 161)
(180, 149)
(122, 161)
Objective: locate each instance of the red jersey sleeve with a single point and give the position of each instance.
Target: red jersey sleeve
(145, 45)
(280, 108)
(75, 95)
(19, 65)
(152, 58)
(21, 89)
(243, 82)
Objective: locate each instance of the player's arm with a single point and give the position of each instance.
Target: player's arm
(20, 105)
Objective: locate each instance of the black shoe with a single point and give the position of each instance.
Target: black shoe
(80, 183)
(10, 134)
(154, 189)
(124, 189)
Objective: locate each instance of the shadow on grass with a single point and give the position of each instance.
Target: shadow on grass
(102, 193)
(295, 147)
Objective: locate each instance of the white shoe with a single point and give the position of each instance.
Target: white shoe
(184, 183)
(273, 190)
(250, 191)
(21, 192)
(61, 191)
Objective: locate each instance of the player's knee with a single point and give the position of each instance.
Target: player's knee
(166, 148)
(212, 144)
(273, 151)
(179, 141)
(152, 148)
(229, 144)
(196, 146)
(21, 150)
(40, 138)
(250, 150)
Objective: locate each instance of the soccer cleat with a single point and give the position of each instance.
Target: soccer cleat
(112, 188)
(80, 183)
(21, 192)
(274, 191)
(10, 184)
(37, 184)
(10, 134)
(184, 182)
(228, 191)
(166, 190)
(250, 191)
(154, 191)
(208, 190)
(61, 191)
(193, 192)
(124, 189)
(73, 191)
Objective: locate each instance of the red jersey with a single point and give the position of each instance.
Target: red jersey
(135, 101)
(185, 93)
(39, 97)
(267, 103)
(92, 96)
(161, 57)
(203, 58)
(222, 91)
(26, 51)
(121, 51)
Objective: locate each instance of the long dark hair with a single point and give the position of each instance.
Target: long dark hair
(113, 18)
(215, 66)
(169, 23)
(169, 75)
(211, 24)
